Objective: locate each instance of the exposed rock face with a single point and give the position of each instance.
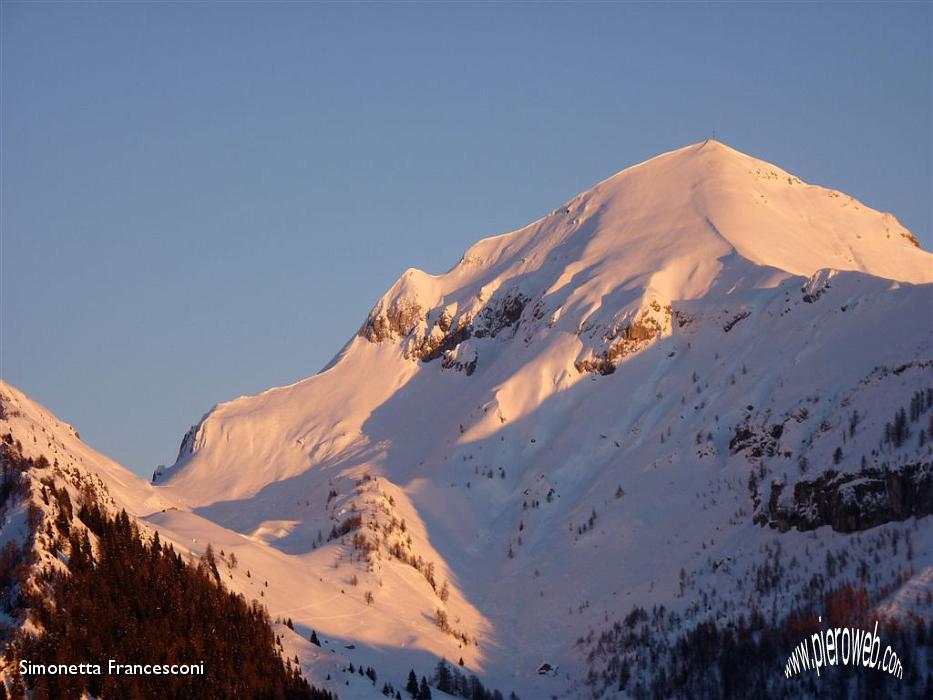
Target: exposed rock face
(501, 313)
(427, 340)
(467, 366)
(817, 285)
(184, 450)
(730, 324)
(438, 333)
(758, 442)
(852, 502)
(629, 337)
(441, 345)
(397, 321)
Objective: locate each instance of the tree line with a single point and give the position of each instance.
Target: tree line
(135, 601)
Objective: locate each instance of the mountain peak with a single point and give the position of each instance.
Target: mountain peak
(707, 153)
(654, 367)
(668, 224)
(597, 280)
(669, 204)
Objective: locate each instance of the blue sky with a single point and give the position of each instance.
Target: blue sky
(203, 200)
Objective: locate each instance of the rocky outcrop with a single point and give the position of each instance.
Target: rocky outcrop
(851, 502)
(730, 324)
(437, 345)
(501, 313)
(185, 450)
(756, 442)
(436, 334)
(461, 357)
(817, 285)
(396, 321)
(628, 338)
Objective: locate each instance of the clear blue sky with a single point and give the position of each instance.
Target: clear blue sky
(201, 201)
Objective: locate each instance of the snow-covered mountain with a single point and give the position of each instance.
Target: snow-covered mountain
(682, 388)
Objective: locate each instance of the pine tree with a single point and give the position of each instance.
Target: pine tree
(901, 432)
(442, 676)
(424, 691)
(314, 639)
(211, 562)
(411, 687)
